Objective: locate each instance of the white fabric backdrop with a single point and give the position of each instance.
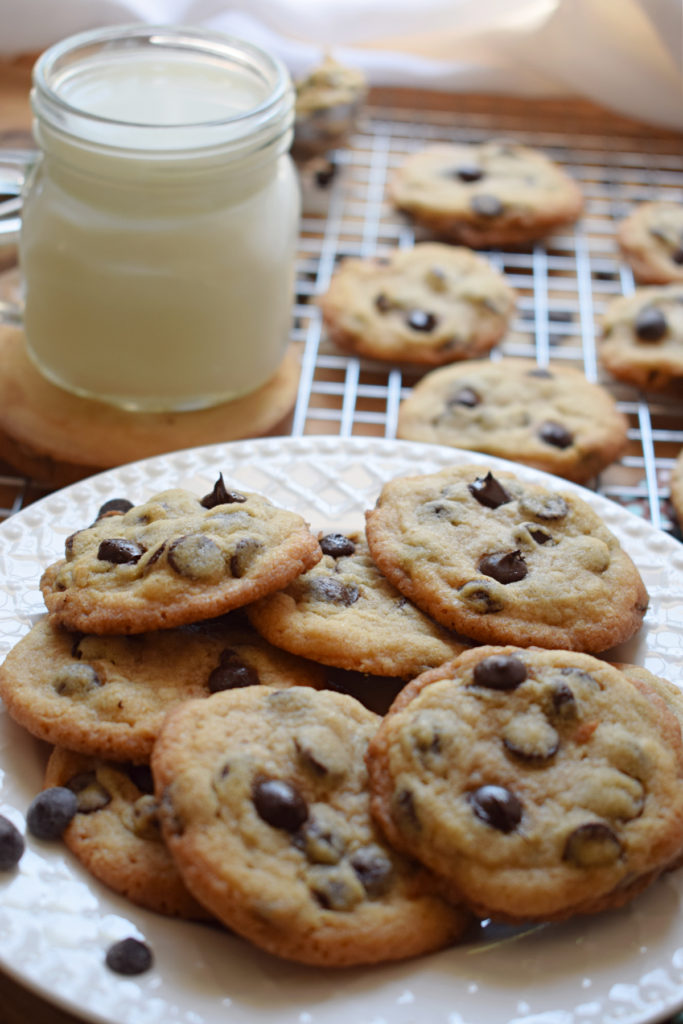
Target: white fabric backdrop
(625, 54)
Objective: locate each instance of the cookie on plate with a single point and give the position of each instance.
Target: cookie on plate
(115, 832)
(642, 338)
(176, 559)
(344, 612)
(536, 784)
(505, 561)
(651, 241)
(492, 193)
(428, 304)
(553, 419)
(265, 807)
(107, 695)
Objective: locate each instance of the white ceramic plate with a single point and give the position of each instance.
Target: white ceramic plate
(56, 923)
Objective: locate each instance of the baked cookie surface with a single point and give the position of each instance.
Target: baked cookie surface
(176, 559)
(429, 304)
(676, 487)
(344, 612)
(328, 101)
(537, 784)
(642, 338)
(553, 419)
(505, 561)
(651, 241)
(265, 807)
(108, 695)
(492, 193)
(115, 832)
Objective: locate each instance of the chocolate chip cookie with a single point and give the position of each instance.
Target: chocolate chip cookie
(115, 832)
(642, 338)
(429, 304)
(493, 193)
(676, 487)
(265, 807)
(553, 419)
(328, 101)
(107, 695)
(176, 559)
(537, 784)
(651, 241)
(505, 561)
(344, 612)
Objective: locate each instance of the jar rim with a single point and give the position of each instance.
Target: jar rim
(267, 119)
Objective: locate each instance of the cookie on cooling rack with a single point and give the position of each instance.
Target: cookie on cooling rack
(107, 695)
(676, 487)
(344, 612)
(428, 304)
(505, 561)
(115, 832)
(651, 241)
(536, 784)
(176, 559)
(328, 101)
(553, 419)
(492, 193)
(265, 807)
(642, 338)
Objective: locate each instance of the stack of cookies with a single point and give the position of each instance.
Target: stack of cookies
(192, 671)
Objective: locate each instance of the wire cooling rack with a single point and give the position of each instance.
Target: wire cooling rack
(563, 284)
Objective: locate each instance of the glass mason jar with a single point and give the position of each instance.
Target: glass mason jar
(159, 222)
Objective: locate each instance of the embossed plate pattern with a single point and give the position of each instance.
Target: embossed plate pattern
(56, 923)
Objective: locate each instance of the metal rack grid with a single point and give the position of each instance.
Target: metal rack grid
(563, 284)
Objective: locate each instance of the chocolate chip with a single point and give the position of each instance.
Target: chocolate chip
(464, 396)
(531, 738)
(246, 551)
(592, 845)
(144, 818)
(141, 776)
(374, 869)
(383, 303)
(12, 844)
(90, 794)
(196, 557)
(119, 505)
(540, 371)
(50, 812)
(563, 700)
(321, 840)
(324, 175)
(550, 507)
(497, 807)
(129, 956)
(78, 680)
(555, 434)
(469, 172)
(231, 673)
(539, 534)
(337, 545)
(338, 891)
(119, 551)
(404, 808)
(419, 320)
(500, 672)
(489, 492)
(504, 566)
(486, 206)
(220, 495)
(333, 591)
(579, 675)
(279, 804)
(155, 556)
(677, 256)
(650, 324)
(478, 596)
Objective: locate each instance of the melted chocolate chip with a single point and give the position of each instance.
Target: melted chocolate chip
(12, 844)
(486, 206)
(50, 812)
(550, 507)
(677, 256)
(231, 673)
(141, 776)
(504, 566)
(650, 324)
(419, 320)
(500, 672)
(119, 505)
(555, 434)
(119, 551)
(592, 845)
(404, 806)
(90, 794)
(325, 175)
(196, 556)
(497, 807)
(220, 495)
(488, 491)
(279, 804)
(374, 870)
(464, 396)
(469, 172)
(246, 551)
(563, 700)
(478, 596)
(383, 303)
(337, 545)
(333, 591)
(129, 956)
(539, 534)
